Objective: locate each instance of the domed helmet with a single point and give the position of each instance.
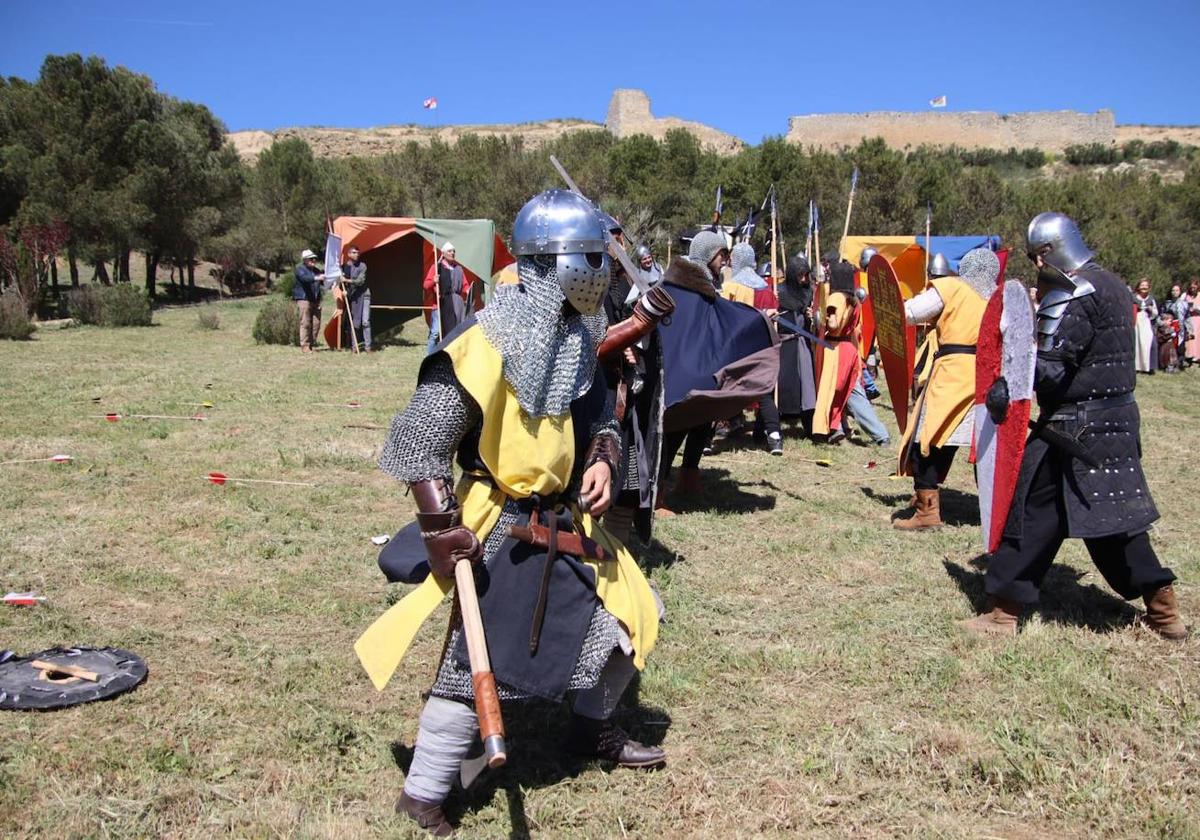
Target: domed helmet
(642, 252)
(865, 257)
(1056, 239)
(566, 227)
(939, 266)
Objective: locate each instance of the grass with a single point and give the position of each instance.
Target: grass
(810, 679)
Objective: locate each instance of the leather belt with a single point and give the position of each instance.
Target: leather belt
(954, 350)
(1072, 411)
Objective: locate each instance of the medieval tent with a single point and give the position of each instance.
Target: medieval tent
(399, 251)
(907, 253)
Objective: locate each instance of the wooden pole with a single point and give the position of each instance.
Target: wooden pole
(849, 210)
(487, 701)
(437, 289)
(774, 262)
(928, 227)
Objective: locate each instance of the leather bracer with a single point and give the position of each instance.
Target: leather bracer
(650, 308)
(447, 540)
(605, 448)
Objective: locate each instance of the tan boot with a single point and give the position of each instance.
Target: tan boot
(1000, 619)
(928, 513)
(688, 482)
(660, 505)
(1162, 614)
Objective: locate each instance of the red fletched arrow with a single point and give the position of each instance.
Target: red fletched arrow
(23, 599)
(351, 404)
(113, 417)
(219, 479)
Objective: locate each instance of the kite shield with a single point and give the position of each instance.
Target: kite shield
(1006, 348)
(897, 338)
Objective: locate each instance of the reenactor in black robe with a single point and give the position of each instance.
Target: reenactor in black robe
(1081, 475)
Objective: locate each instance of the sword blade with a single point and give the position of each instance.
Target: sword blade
(635, 273)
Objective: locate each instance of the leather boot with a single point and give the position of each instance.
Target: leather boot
(1162, 614)
(1000, 619)
(688, 482)
(428, 815)
(660, 504)
(606, 741)
(928, 513)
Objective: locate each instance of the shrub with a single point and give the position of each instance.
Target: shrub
(1033, 158)
(1134, 150)
(110, 306)
(287, 282)
(124, 306)
(1163, 150)
(208, 320)
(1092, 154)
(84, 304)
(14, 321)
(278, 322)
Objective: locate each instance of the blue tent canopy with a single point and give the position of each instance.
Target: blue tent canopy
(954, 248)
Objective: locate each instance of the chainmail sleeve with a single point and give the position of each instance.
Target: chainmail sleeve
(425, 435)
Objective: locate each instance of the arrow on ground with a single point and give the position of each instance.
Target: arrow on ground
(57, 459)
(112, 417)
(219, 479)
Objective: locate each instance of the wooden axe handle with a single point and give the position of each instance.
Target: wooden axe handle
(487, 701)
(70, 670)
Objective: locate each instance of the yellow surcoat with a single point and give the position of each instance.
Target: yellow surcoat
(524, 455)
(949, 393)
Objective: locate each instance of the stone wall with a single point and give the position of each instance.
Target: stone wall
(1051, 131)
(629, 114)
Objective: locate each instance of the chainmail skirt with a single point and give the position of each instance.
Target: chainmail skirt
(604, 635)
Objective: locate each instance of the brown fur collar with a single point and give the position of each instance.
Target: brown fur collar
(686, 274)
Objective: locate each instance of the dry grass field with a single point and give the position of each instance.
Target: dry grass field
(810, 680)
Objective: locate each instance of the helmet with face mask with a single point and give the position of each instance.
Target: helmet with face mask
(865, 257)
(566, 228)
(1056, 239)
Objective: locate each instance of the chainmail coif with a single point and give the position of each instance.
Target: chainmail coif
(549, 359)
(979, 268)
(741, 262)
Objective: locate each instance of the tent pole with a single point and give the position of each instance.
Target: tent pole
(437, 289)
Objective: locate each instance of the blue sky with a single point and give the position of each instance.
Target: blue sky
(741, 67)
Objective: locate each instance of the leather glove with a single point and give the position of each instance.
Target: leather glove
(447, 540)
(997, 400)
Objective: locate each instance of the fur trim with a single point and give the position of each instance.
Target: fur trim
(687, 274)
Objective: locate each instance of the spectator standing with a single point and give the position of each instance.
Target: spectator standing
(358, 297)
(1192, 297)
(445, 283)
(1179, 309)
(1145, 359)
(307, 293)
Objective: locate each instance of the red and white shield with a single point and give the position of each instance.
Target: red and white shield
(1006, 348)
